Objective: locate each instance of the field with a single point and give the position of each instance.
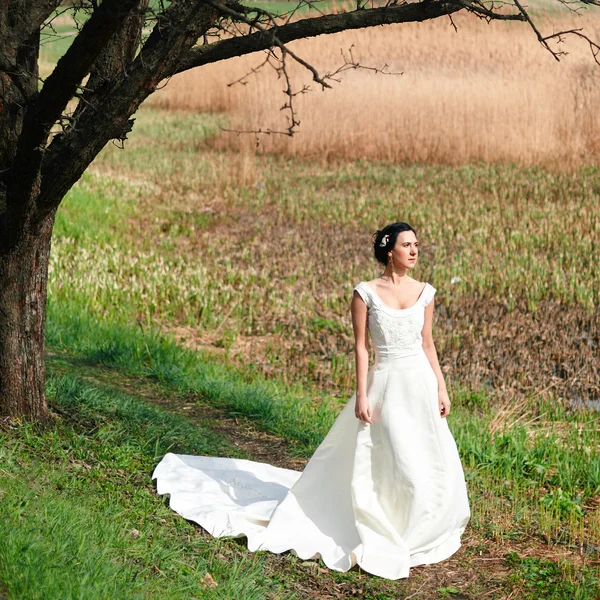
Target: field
(199, 296)
(478, 93)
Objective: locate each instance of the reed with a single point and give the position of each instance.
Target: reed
(485, 92)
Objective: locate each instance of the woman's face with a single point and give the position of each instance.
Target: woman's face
(405, 251)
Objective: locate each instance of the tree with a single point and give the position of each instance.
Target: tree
(45, 147)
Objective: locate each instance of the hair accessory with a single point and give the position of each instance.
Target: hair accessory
(384, 240)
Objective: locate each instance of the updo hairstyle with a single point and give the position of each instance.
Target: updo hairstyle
(391, 231)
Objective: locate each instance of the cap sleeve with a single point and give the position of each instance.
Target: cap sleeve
(428, 294)
(364, 294)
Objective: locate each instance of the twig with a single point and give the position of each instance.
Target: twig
(594, 47)
(452, 23)
(540, 38)
(413, 595)
(241, 14)
(252, 71)
(482, 11)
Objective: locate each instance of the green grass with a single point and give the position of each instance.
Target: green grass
(170, 235)
(79, 517)
(283, 410)
(543, 476)
(546, 579)
(155, 256)
(96, 212)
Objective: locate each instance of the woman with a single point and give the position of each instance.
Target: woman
(385, 489)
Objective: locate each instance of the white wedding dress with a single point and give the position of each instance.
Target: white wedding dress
(386, 496)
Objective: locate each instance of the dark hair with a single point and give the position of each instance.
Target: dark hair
(391, 231)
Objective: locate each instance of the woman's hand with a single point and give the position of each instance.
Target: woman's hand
(362, 410)
(443, 403)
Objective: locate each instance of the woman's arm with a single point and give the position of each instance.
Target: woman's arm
(431, 352)
(361, 356)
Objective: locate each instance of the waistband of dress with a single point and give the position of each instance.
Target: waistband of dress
(382, 358)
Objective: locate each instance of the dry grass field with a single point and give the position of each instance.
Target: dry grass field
(484, 92)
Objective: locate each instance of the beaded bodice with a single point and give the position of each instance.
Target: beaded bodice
(395, 332)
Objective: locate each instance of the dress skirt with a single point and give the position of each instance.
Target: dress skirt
(386, 496)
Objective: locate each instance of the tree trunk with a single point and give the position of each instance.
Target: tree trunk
(23, 291)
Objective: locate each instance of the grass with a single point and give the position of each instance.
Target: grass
(451, 100)
(91, 526)
(544, 475)
(448, 97)
(172, 254)
(542, 578)
(79, 518)
(283, 411)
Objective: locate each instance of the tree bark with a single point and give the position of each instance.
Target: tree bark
(24, 242)
(24, 277)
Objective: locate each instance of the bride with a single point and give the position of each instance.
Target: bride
(385, 489)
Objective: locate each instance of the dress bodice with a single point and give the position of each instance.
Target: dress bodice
(395, 332)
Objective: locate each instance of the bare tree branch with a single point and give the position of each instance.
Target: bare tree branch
(560, 35)
(45, 108)
(253, 70)
(327, 24)
(594, 47)
(113, 62)
(282, 70)
(69, 154)
(276, 42)
(477, 7)
(533, 26)
(351, 64)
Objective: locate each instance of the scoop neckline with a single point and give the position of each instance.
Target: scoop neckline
(378, 298)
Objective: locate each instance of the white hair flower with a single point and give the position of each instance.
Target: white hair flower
(384, 240)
